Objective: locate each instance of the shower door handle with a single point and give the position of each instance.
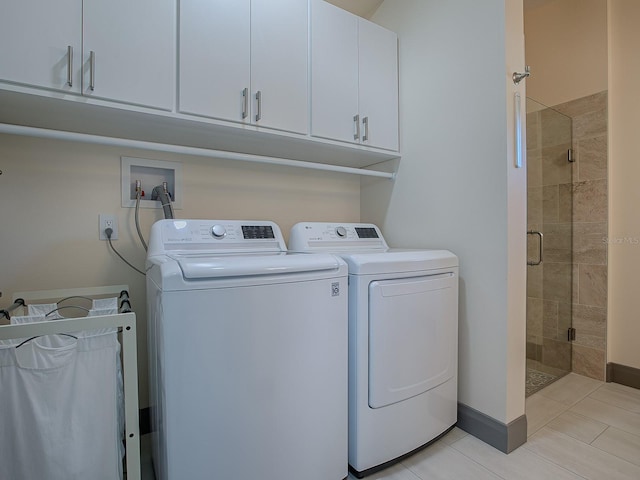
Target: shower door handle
(540, 246)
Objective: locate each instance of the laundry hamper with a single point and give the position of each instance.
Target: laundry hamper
(61, 401)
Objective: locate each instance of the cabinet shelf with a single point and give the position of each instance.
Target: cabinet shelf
(88, 116)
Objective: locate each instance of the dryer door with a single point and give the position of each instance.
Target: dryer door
(412, 336)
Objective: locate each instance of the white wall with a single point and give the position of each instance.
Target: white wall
(624, 176)
(363, 8)
(566, 49)
(51, 193)
(456, 187)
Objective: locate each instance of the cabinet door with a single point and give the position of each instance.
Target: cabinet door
(35, 36)
(378, 85)
(279, 53)
(133, 42)
(334, 72)
(214, 59)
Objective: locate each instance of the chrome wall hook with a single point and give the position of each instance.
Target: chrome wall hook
(518, 77)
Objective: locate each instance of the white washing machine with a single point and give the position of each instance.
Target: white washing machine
(403, 341)
(247, 354)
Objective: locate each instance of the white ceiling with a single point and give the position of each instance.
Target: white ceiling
(363, 8)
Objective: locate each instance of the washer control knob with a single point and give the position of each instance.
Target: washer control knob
(341, 232)
(218, 231)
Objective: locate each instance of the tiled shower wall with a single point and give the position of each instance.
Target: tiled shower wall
(580, 223)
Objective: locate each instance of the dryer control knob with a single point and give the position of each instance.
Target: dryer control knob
(218, 231)
(341, 232)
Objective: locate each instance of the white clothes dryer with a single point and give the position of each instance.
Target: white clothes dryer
(247, 354)
(403, 341)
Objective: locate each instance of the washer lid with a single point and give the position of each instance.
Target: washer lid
(221, 266)
(398, 261)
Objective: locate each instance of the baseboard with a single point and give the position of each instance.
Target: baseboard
(504, 437)
(623, 375)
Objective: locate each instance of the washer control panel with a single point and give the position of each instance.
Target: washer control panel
(312, 236)
(217, 235)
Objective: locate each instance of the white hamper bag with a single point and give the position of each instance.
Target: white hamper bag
(59, 408)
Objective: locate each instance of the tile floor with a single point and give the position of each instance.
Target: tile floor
(579, 428)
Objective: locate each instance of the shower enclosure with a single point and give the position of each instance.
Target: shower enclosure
(549, 245)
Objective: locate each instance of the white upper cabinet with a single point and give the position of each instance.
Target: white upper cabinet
(121, 50)
(354, 79)
(378, 85)
(129, 51)
(214, 67)
(301, 79)
(334, 73)
(41, 43)
(279, 63)
(245, 61)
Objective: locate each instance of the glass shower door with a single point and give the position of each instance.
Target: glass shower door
(549, 245)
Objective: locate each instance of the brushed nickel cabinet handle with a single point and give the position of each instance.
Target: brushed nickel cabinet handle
(365, 124)
(356, 121)
(245, 103)
(70, 65)
(259, 99)
(92, 70)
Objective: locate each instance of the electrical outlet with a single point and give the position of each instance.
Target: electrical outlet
(107, 221)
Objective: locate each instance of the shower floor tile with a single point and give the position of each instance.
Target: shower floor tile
(537, 380)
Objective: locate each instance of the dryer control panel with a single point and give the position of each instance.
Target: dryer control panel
(319, 236)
